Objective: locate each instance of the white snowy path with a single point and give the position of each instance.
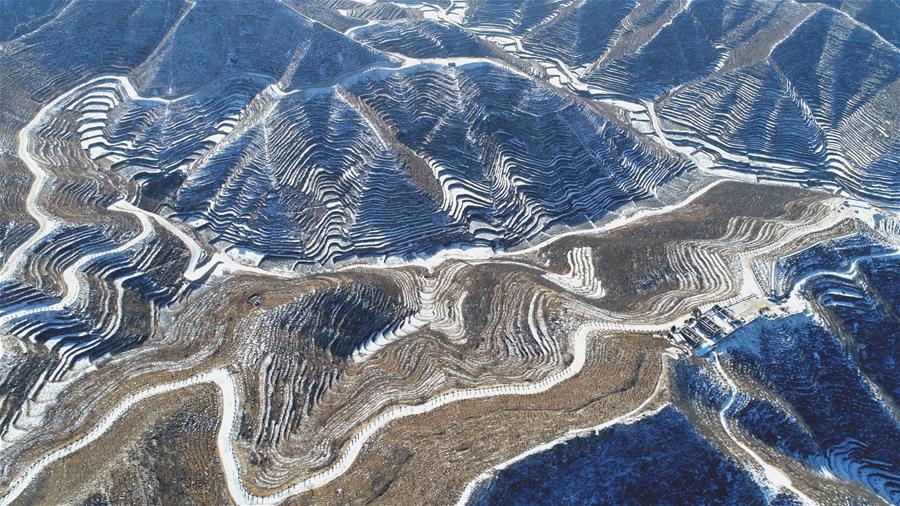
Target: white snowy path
(771, 474)
(230, 418)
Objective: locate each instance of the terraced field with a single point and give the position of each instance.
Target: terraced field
(335, 251)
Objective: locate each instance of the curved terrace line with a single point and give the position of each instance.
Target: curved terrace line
(230, 419)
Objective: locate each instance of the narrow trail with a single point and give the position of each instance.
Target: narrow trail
(45, 223)
(73, 287)
(771, 474)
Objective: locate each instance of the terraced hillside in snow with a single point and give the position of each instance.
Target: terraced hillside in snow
(342, 251)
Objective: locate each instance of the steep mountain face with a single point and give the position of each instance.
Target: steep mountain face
(779, 90)
(480, 125)
(391, 162)
(396, 244)
(786, 119)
